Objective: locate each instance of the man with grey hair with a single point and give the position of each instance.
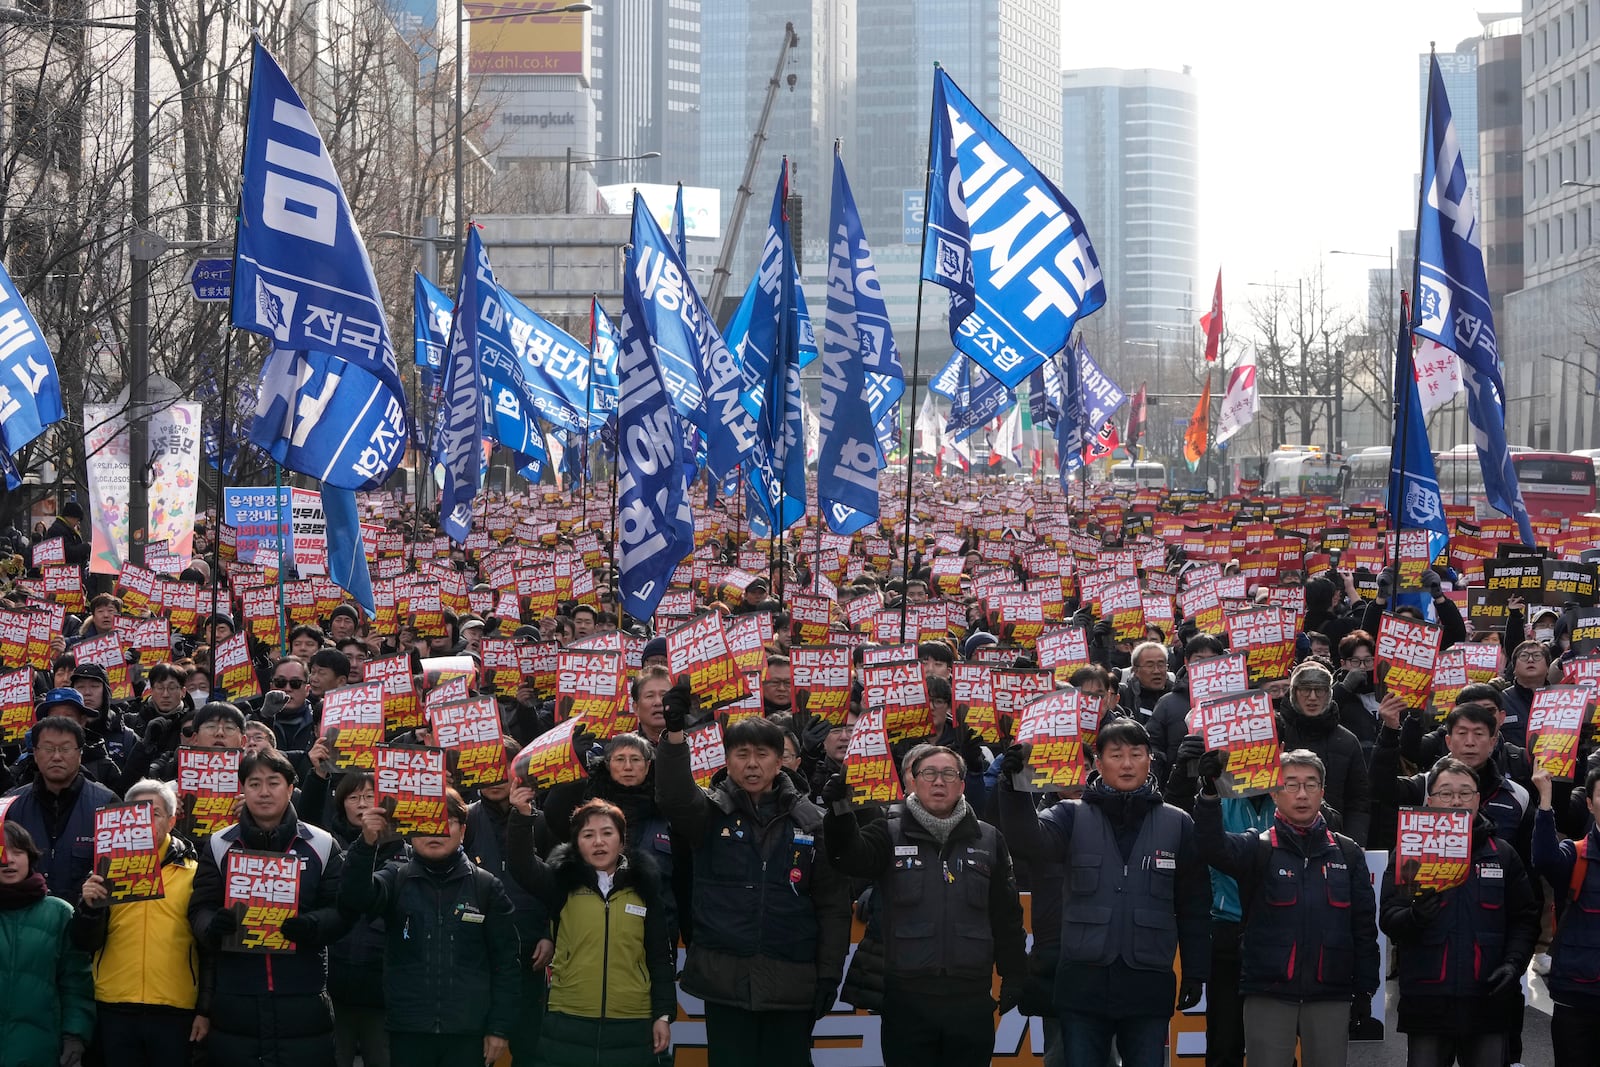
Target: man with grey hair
(1309, 948)
(1145, 681)
(949, 911)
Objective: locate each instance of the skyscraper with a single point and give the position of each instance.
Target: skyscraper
(646, 70)
(1130, 166)
(1459, 71)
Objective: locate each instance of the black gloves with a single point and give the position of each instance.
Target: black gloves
(1209, 768)
(1425, 905)
(273, 703)
(1012, 762)
(822, 1002)
(1192, 747)
(834, 790)
(1386, 582)
(157, 730)
(302, 930)
(1189, 991)
(1432, 584)
(972, 749)
(675, 706)
(1503, 979)
(222, 926)
(1010, 994)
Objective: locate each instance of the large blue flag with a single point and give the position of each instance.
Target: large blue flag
(1414, 499)
(603, 369)
(553, 364)
(431, 312)
(347, 556)
(1088, 399)
(703, 379)
(30, 388)
(302, 278)
(459, 429)
(1452, 294)
(1001, 237)
(856, 336)
(680, 232)
(976, 396)
(512, 351)
(772, 372)
(1045, 399)
(655, 527)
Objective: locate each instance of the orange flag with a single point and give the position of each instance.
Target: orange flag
(1194, 438)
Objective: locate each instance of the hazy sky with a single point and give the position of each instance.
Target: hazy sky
(1309, 127)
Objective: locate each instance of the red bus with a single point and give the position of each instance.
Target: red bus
(1554, 484)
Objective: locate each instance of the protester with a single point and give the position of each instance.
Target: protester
(47, 1014)
(1574, 978)
(1145, 682)
(1307, 721)
(451, 980)
(57, 808)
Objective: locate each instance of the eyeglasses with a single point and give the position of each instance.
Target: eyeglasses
(56, 750)
(215, 727)
(1301, 787)
(1529, 657)
(947, 774)
(1454, 796)
(288, 683)
(1360, 664)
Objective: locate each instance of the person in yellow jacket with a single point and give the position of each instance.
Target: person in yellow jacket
(147, 980)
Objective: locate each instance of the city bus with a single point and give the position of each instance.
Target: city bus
(1554, 484)
(1368, 481)
(1145, 474)
(1303, 470)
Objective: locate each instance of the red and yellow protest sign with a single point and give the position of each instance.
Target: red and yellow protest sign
(706, 754)
(1203, 604)
(548, 760)
(409, 785)
(1021, 615)
(869, 768)
(1556, 721)
(1015, 687)
(1122, 604)
(236, 674)
(1064, 650)
(822, 674)
(260, 611)
(208, 782)
(747, 639)
(401, 709)
(972, 697)
(16, 705)
(262, 889)
(812, 617)
(106, 651)
(1449, 678)
(898, 689)
(698, 650)
(1050, 726)
(1217, 676)
(1483, 659)
(151, 639)
(589, 687)
(502, 670)
(352, 722)
(125, 852)
(1407, 653)
(1433, 847)
(1266, 637)
(471, 729)
(1242, 725)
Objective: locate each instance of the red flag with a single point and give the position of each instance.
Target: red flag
(1102, 444)
(1211, 323)
(1136, 419)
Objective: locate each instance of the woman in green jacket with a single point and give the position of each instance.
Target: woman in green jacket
(47, 1012)
(612, 996)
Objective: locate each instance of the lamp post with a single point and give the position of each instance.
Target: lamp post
(566, 197)
(460, 109)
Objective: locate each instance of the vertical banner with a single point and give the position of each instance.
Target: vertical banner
(174, 436)
(125, 852)
(308, 532)
(105, 450)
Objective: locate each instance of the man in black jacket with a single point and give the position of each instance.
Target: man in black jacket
(950, 914)
(1309, 721)
(452, 982)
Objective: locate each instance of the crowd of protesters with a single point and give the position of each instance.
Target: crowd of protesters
(547, 923)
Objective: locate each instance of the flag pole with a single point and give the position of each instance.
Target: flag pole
(588, 407)
(916, 364)
(1397, 444)
(277, 501)
(222, 475)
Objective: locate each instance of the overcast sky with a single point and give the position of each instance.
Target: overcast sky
(1309, 129)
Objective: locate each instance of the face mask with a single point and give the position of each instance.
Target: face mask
(1544, 635)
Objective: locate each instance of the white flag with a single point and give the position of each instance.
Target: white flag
(930, 428)
(1242, 400)
(1438, 374)
(1004, 443)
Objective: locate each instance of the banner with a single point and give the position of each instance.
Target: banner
(409, 785)
(261, 518)
(262, 889)
(1050, 725)
(899, 691)
(698, 650)
(706, 754)
(820, 678)
(1245, 727)
(232, 667)
(16, 705)
(105, 449)
(32, 389)
(174, 453)
(471, 730)
(548, 760)
(1556, 721)
(208, 786)
(1433, 848)
(352, 724)
(125, 852)
(401, 709)
(869, 768)
(1406, 654)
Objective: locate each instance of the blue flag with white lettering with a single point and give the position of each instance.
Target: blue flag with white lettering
(1072, 428)
(772, 372)
(702, 377)
(655, 526)
(553, 365)
(302, 277)
(431, 312)
(855, 337)
(603, 372)
(1452, 295)
(347, 556)
(1101, 396)
(459, 424)
(976, 396)
(1044, 393)
(30, 388)
(1414, 499)
(515, 390)
(680, 232)
(1000, 236)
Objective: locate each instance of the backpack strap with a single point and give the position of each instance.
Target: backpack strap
(1580, 869)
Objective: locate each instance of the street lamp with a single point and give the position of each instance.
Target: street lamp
(460, 116)
(566, 198)
(1574, 184)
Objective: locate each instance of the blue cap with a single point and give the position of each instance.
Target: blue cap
(64, 695)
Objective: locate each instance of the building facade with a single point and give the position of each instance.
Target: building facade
(646, 67)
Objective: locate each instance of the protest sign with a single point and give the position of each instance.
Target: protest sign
(869, 768)
(502, 670)
(589, 686)
(548, 760)
(125, 852)
(747, 639)
(1123, 604)
(409, 785)
(1050, 726)
(1063, 649)
(1449, 678)
(1217, 676)
(898, 689)
(972, 699)
(1556, 720)
(1244, 726)
(1014, 687)
(1406, 654)
(16, 705)
(698, 650)
(1266, 637)
(235, 673)
(812, 617)
(208, 784)
(471, 729)
(401, 709)
(106, 650)
(262, 889)
(1433, 848)
(820, 677)
(352, 723)
(706, 754)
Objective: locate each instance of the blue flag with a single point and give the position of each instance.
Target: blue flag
(431, 311)
(1045, 394)
(302, 278)
(1414, 499)
(976, 396)
(1101, 396)
(1073, 427)
(857, 336)
(459, 427)
(655, 527)
(1001, 237)
(347, 556)
(30, 388)
(603, 369)
(1452, 295)
(703, 380)
(552, 364)
(680, 233)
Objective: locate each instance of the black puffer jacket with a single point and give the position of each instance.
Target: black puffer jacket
(1347, 787)
(356, 959)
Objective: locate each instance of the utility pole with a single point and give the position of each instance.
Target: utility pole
(139, 296)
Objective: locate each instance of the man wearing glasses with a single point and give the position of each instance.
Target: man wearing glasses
(1354, 688)
(949, 912)
(1530, 672)
(57, 808)
(1309, 948)
(290, 710)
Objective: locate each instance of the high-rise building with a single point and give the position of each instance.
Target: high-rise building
(1459, 71)
(645, 56)
(1130, 158)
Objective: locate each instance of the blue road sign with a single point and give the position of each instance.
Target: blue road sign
(211, 280)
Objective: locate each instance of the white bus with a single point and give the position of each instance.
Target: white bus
(1145, 474)
(1368, 480)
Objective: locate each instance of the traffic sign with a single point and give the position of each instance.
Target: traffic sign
(211, 280)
